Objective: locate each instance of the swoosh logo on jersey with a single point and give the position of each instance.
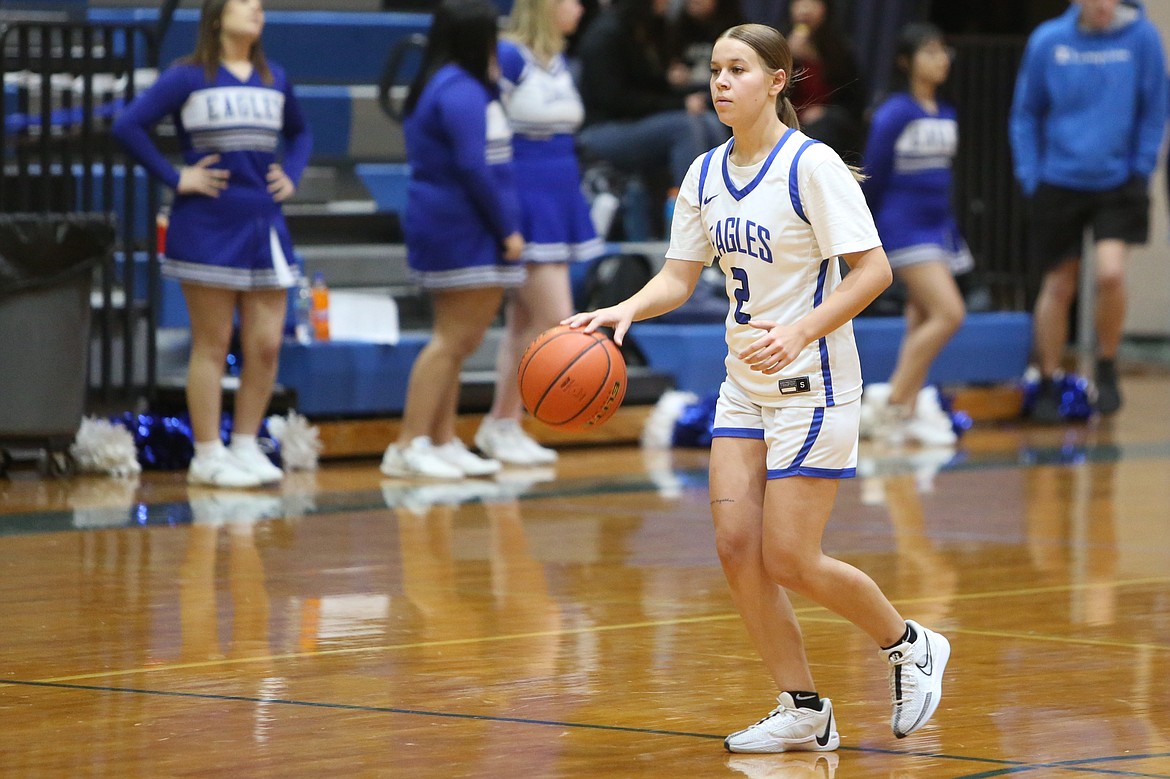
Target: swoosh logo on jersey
(824, 739)
(709, 199)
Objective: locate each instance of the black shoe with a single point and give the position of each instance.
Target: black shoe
(1046, 406)
(1108, 396)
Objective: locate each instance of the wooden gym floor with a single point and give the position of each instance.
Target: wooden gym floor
(575, 623)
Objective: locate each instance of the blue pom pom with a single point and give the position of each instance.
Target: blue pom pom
(694, 425)
(1075, 403)
(168, 444)
(961, 421)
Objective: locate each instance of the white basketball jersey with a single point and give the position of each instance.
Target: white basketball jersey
(776, 229)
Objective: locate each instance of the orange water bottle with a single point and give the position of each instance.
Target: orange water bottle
(320, 307)
(162, 221)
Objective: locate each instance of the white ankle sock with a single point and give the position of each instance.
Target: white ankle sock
(243, 441)
(208, 448)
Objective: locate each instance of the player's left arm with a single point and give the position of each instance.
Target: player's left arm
(780, 344)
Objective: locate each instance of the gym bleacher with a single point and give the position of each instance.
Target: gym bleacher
(345, 224)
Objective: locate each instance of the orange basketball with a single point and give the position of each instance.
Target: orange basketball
(571, 379)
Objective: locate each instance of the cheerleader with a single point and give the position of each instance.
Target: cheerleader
(462, 230)
(544, 110)
(227, 242)
(908, 159)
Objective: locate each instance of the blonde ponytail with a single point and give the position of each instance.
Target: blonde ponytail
(786, 112)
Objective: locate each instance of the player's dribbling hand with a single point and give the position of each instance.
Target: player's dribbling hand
(280, 186)
(776, 348)
(618, 317)
(202, 179)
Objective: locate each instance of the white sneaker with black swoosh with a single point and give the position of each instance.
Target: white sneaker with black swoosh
(916, 672)
(788, 728)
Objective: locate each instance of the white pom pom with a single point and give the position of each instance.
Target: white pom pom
(103, 447)
(659, 429)
(299, 441)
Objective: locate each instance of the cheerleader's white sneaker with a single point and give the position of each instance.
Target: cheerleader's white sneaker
(419, 458)
(506, 441)
(221, 468)
(456, 453)
(257, 462)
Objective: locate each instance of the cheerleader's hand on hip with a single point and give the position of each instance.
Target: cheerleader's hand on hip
(202, 179)
(776, 348)
(513, 247)
(618, 317)
(280, 186)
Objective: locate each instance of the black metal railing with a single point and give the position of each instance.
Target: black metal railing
(988, 202)
(63, 84)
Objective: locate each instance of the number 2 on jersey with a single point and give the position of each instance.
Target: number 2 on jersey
(742, 295)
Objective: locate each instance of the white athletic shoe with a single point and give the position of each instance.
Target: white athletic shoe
(420, 458)
(874, 400)
(257, 462)
(221, 469)
(930, 425)
(916, 672)
(789, 729)
(506, 441)
(455, 453)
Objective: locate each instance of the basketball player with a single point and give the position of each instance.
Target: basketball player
(227, 243)
(775, 209)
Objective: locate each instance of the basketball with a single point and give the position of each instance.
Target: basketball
(572, 380)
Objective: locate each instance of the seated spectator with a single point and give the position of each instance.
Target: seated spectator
(634, 118)
(691, 29)
(829, 93)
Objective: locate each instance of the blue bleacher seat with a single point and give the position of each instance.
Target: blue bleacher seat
(314, 47)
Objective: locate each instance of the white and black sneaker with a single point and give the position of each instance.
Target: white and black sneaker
(789, 728)
(916, 672)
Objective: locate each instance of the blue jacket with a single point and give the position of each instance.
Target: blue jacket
(1090, 108)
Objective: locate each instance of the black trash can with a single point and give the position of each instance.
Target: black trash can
(47, 263)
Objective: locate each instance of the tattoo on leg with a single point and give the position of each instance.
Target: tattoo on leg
(722, 500)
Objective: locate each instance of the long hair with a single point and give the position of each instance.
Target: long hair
(464, 32)
(209, 48)
(531, 23)
(773, 51)
(775, 54)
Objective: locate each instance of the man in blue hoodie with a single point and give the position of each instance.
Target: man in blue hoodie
(1087, 121)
